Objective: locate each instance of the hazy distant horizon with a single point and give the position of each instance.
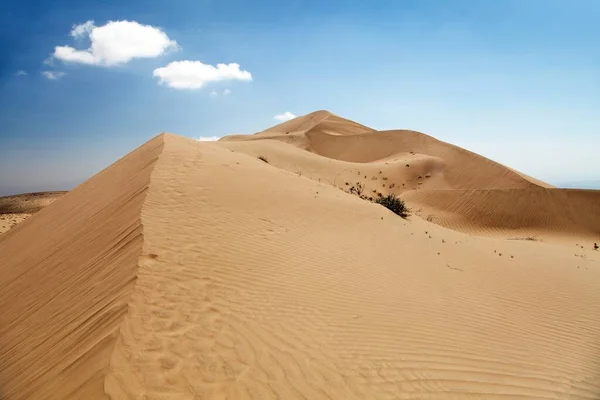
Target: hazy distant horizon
(14, 190)
(594, 185)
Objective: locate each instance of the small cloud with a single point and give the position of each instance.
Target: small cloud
(81, 30)
(207, 138)
(21, 73)
(53, 75)
(286, 116)
(117, 42)
(214, 93)
(226, 92)
(195, 75)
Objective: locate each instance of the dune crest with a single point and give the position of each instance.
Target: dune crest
(66, 275)
(197, 270)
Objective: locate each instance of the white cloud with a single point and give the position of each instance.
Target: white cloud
(214, 93)
(207, 138)
(53, 75)
(226, 92)
(286, 116)
(69, 54)
(82, 29)
(195, 75)
(117, 42)
(21, 73)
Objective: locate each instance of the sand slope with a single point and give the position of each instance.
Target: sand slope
(17, 208)
(279, 287)
(65, 275)
(524, 213)
(194, 270)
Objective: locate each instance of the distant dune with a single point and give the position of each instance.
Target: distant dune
(333, 137)
(486, 198)
(17, 208)
(196, 270)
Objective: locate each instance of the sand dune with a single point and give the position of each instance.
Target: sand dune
(66, 274)
(566, 213)
(194, 270)
(295, 130)
(17, 208)
(323, 120)
(432, 156)
(412, 154)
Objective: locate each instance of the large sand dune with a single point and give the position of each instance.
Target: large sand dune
(411, 154)
(192, 270)
(66, 276)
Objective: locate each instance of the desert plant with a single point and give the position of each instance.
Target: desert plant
(394, 204)
(358, 190)
(262, 158)
(391, 201)
(528, 238)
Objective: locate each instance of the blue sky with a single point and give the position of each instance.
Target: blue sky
(515, 80)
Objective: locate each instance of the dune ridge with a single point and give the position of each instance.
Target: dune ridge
(196, 270)
(66, 274)
(295, 131)
(213, 317)
(322, 119)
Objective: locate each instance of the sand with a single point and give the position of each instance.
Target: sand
(66, 275)
(570, 215)
(17, 208)
(194, 270)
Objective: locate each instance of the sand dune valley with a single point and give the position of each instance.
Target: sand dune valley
(245, 269)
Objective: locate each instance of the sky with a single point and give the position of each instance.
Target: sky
(84, 83)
